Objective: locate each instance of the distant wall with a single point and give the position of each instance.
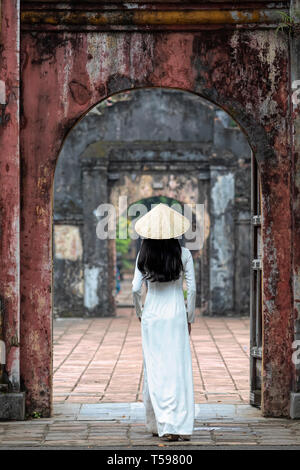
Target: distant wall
(158, 142)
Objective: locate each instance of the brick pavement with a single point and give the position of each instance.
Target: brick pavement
(100, 360)
(121, 426)
(97, 389)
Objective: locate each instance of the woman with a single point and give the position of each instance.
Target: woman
(168, 378)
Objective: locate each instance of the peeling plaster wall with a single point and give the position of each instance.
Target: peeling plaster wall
(245, 72)
(10, 187)
(68, 269)
(91, 299)
(295, 105)
(222, 241)
(147, 115)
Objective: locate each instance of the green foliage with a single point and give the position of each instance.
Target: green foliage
(288, 23)
(127, 265)
(36, 415)
(232, 123)
(185, 294)
(122, 245)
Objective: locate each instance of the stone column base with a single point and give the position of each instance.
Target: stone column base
(12, 406)
(295, 406)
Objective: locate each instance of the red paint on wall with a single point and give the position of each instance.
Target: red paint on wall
(9, 184)
(70, 73)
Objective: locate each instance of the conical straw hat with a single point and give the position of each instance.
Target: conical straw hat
(162, 222)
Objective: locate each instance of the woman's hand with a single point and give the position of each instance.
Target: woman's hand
(189, 328)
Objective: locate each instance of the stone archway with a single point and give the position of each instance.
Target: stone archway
(152, 141)
(67, 78)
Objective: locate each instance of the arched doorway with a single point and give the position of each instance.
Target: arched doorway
(190, 64)
(206, 171)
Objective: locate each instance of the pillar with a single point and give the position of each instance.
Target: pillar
(221, 241)
(97, 298)
(203, 287)
(12, 403)
(295, 83)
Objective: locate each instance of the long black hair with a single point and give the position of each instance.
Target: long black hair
(160, 260)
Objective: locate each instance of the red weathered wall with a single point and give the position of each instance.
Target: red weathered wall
(9, 184)
(64, 75)
(295, 106)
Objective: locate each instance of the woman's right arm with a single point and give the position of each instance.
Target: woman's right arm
(137, 289)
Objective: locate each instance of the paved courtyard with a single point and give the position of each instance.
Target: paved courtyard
(100, 360)
(97, 391)
(121, 426)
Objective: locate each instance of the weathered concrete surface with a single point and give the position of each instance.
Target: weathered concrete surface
(295, 106)
(221, 240)
(146, 115)
(295, 405)
(95, 255)
(68, 254)
(12, 406)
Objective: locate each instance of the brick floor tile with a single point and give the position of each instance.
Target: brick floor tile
(100, 360)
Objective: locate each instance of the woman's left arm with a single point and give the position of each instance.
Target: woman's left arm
(137, 284)
(191, 288)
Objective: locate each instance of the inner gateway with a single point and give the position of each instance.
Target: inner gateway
(151, 145)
